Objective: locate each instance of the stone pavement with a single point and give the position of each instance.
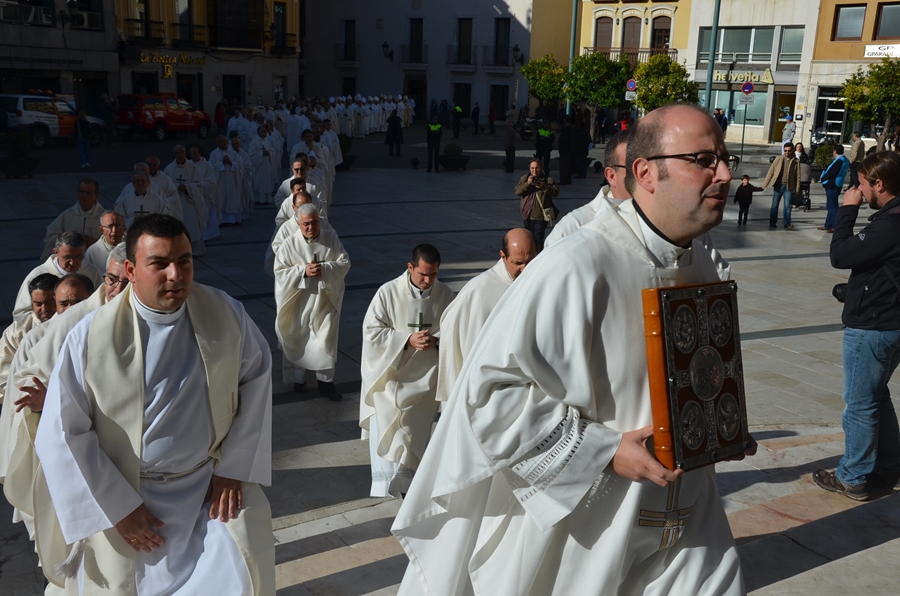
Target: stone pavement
(334, 540)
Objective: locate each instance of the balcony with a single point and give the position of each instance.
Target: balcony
(24, 14)
(414, 57)
(346, 55)
(284, 44)
(461, 58)
(634, 55)
(238, 38)
(142, 32)
(498, 60)
(188, 36)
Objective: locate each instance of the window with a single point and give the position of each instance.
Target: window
(729, 101)
(464, 52)
(185, 105)
(501, 42)
(603, 29)
(661, 29)
(791, 44)
(173, 104)
(631, 33)
(739, 44)
(154, 103)
(888, 26)
(848, 23)
(37, 104)
(350, 40)
(63, 108)
(416, 40)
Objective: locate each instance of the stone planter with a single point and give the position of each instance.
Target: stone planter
(452, 164)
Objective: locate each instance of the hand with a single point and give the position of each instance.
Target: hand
(34, 398)
(226, 160)
(633, 460)
(266, 152)
(762, 189)
(531, 180)
(748, 452)
(226, 497)
(182, 188)
(853, 196)
(136, 529)
(421, 341)
(313, 270)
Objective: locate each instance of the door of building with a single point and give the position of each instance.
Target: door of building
(500, 99)
(462, 96)
(144, 83)
(233, 89)
(416, 88)
(502, 42)
(280, 11)
(831, 114)
(186, 87)
(782, 108)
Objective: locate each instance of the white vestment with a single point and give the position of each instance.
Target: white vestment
(396, 405)
(292, 130)
(514, 495)
(9, 343)
(264, 171)
(74, 219)
(330, 141)
(210, 177)
(246, 186)
(131, 206)
(286, 211)
(201, 408)
(169, 192)
(23, 298)
(309, 308)
(154, 188)
(288, 228)
(193, 201)
(463, 320)
(98, 253)
(312, 189)
(229, 184)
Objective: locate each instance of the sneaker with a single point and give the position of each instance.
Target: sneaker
(830, 482)
(789, 227)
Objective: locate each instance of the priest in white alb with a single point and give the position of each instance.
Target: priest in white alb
(310, 268)
(299, 169)
(246, 169)
(168, 186)
(43, 306)
(67, 257)
(112, 229)
(290, 226)
(262, 160)
(156, 434)
(189, 185)
(539, 478)
(227, 164)
(82, 217)
(141, 200)
(466, 315)
(399, 365)
(210, 178)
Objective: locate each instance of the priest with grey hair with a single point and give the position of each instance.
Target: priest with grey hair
(189, 185)
(83, 217)
(112, 228)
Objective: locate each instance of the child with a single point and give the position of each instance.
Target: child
(744, 196)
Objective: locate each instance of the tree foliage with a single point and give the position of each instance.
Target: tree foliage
(545, 77)
(661, 81)
(598, 81)
(873, 95)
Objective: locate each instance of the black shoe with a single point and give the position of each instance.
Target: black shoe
(771, 227)
(328, 390)
(830, 482)
(299, 387)
(884, 481)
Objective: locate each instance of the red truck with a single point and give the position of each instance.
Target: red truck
(160, 115)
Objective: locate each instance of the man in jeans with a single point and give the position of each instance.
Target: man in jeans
(833, 181)
(536, 191)
(784, 177)
(871, 457)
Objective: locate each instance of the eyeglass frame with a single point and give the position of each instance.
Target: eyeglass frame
(119, 280)
(114, 226)
(719, 158)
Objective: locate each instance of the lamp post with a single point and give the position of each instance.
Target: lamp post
(714, 34)
(572, 48)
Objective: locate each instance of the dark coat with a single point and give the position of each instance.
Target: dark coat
(394, 130)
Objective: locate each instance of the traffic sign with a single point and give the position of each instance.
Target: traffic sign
(631, 85)
(747, 88)
(630, 95)
(745, 100)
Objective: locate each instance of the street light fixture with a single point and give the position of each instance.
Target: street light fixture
(69, 16)
(387, 51)
(517, 55)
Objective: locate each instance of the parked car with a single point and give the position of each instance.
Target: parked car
(159, 115)
(46, 117)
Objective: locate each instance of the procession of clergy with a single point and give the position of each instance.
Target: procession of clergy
(536, 480)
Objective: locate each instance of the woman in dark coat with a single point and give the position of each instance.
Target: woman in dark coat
(394, 133)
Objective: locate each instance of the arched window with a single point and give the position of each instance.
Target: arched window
(603, 30)
(631, 33)
(662, 27)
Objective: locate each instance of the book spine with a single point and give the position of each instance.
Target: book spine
(659, 385)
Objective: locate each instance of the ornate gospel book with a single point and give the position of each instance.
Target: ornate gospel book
(696, 374)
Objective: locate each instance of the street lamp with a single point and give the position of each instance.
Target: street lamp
(517, 55)
(70, 16)
(387, 51)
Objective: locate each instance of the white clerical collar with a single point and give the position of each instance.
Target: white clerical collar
(62, 271)
(418, 293)
(311, 240)
(669, 254)
(156, 316)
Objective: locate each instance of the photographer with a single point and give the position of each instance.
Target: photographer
(537, 191)
(871, 314)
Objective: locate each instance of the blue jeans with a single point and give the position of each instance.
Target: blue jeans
(776, 198)
(84, 151)
(831, 206)
(871, 434)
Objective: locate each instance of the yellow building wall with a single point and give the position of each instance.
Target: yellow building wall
(826, 49)
(680, 12)
(551, 26)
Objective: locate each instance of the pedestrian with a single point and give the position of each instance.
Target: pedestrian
(492, 116)
(433, 139)
(394, 136)
(83, 139)
(476, 114)
(857, 155)
(787, 133)
(833, 181)
(784, 177)
(537, 191)
(543, 144)
(743, 197)
(582, 147)
(457, 119)
(600, 126)
(108, 112)
(871, 457)
(220, 118)
(509, 143)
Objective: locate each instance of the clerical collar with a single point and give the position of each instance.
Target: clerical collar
(417, 292)
(655, 230)
(311, 240)
(156, 316)
(62, 271)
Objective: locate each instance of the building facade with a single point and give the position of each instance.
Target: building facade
(430, 50)
(767, 43)
(242, 51)
(67, 48)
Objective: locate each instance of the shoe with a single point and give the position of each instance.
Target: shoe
(299, 387)
(328, 390)
(822, 228)
(884, 481)
(89, 165)
(829, 231)
(771, 227)
(830, 482)
(789, 227)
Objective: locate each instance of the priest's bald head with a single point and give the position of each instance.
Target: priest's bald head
(307, 218)
(88, 193)
(69, 251)
(43, 296)
(72, 289)
(301, 197)
(517, 251)
(114, 280)
(423, 266)
(158, 261)
(112, 225)
(677, 171)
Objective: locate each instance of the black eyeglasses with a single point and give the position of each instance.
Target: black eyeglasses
(614, 166)
(704, 159)
(113, 281)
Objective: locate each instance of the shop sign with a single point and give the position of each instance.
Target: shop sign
(168, 59)
(729, 76)
(883, 51)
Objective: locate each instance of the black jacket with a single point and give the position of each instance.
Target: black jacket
(873, 256)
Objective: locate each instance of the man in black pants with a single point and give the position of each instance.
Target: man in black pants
(476, 114)
(434, 143)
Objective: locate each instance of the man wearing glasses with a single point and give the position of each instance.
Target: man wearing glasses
(784, 178)
(112, 228)
(539, 480)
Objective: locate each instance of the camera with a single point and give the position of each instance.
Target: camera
(839, 291)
